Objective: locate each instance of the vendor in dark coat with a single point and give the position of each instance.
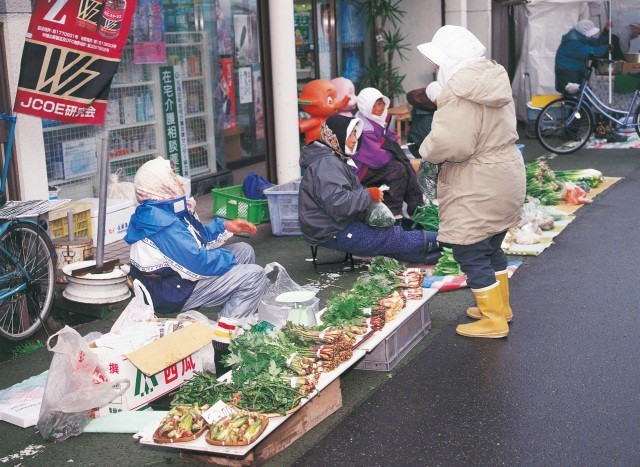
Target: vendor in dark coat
(332, 201)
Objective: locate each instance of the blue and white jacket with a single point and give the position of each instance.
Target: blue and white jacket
(171, 250)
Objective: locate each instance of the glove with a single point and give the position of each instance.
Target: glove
(609, 47)
(237, 226)
(375, 194)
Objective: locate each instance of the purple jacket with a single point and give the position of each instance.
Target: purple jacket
(370, 154)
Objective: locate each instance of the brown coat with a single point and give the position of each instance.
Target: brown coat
(481, 183)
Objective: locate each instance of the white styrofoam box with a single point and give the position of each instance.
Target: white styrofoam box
(119, 213)
(80, 157)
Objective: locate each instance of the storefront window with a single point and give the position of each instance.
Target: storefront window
(189, 88)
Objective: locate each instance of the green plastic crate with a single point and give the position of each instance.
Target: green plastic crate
(230, 203)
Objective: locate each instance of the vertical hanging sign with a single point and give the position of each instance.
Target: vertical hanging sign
(173, 118)
(71, 52)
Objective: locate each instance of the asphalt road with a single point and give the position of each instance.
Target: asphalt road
(560, 390)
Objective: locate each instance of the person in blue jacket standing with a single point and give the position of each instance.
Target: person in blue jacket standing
(183, 263)
(576, 48)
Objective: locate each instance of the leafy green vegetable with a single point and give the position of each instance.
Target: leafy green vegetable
(427, 216)
(203, 388)
(446, 265)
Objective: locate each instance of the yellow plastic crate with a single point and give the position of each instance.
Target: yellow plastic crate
(540, 100)
(81, 219)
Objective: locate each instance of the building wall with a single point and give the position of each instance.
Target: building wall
(28, 139)
(423, 19)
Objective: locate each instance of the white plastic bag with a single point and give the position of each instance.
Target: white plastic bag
(274, 312)
(76, 384)
(140, 308)
(120, 190)
(379, 215)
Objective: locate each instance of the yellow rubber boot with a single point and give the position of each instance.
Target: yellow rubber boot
(503, 277)
(493, 323)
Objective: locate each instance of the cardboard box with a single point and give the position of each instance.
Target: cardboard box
(119, 213)
(155, 369)
(79, 158)
(630, 67)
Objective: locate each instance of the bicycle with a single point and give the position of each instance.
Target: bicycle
(27, 266)
(566, 124)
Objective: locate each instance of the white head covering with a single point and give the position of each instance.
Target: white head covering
(587, 28)
(365, 101)
(433, 90)
(452, 48)
(358, 125)
(156, 180)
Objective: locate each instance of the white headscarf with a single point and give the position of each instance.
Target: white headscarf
(452, 48)
(365, 101)
(156, 180)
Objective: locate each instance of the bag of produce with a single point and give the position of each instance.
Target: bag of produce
(272, 311)
(428, 179)
(379, 215)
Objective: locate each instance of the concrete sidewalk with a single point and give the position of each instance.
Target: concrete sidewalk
(441, 400)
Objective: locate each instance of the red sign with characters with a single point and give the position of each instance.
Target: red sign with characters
(72, 51)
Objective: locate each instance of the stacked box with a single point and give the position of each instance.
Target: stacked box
(396, 345)
(58, 225)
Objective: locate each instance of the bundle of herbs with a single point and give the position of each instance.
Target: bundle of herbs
(446, 265)
(427, 216)
(273, 392)
(542, 183)
(203, 389)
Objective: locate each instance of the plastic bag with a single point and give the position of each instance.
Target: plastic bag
(254, 186)
(379, 215)
(140, 308)
(428, 179)
(120, 190)
(276, 313)
(76, 384)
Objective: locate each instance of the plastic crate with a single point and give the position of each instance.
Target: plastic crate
(283, 208)
(58, 225)
(396, 345)
(230, 203)
(540, 100)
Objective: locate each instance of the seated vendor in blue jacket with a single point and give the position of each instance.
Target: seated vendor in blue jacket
(183, 263)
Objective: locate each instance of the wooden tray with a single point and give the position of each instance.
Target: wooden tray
(164, 440)
(265, 422)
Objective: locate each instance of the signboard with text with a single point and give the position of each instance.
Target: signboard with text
(173, 115)
(72, 51)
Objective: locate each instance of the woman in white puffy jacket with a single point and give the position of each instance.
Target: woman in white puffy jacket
(481, 181)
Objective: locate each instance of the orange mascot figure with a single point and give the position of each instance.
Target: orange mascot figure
(319, 99)
(345, 87)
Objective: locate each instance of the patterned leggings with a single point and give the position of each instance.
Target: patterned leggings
(412, 246)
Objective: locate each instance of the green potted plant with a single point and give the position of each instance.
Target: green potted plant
(384, 17)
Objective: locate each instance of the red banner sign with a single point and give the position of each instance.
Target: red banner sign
(72, 51)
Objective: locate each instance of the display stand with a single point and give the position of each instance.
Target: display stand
(407, 328)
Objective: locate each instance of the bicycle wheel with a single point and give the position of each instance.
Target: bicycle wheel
(27, 279)
(563, 128)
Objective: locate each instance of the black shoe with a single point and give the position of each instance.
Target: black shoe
(616, 138)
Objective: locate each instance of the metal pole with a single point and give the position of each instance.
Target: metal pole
(103, 177)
